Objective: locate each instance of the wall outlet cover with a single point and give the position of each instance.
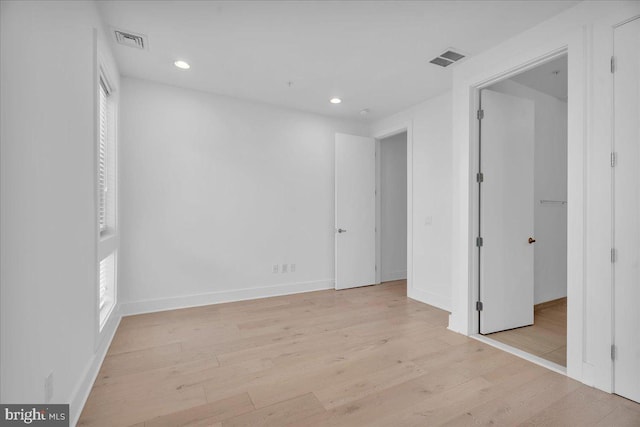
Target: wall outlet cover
(48, 388)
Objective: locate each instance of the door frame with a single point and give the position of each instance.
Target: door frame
(474, 204)
(407, 127)
(588, 36)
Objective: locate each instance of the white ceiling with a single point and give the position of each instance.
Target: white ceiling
(373, 54)
(549, 78)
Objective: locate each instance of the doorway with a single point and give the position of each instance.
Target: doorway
(358, 208)
(522, 206)
(391, 210)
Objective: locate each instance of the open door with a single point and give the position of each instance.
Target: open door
(627, 211)
(506, 212)
(355, 245)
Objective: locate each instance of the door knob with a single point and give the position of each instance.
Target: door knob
(531, 240)
(341, 230)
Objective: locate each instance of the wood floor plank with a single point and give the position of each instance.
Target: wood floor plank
(519, 405)
(546, 338)
(359, 357)
(136, 409)
(207, 414)
(583, 406)
(285, 413)
(153, 358)
(624, 415)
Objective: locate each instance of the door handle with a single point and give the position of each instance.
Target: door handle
(341, 230)
(531, 240)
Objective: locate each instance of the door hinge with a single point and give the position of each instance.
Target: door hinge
(613, 352)
(479, 177)
(478, 305)
(480, 114)
(614, 159)
(376, 267)
(613, 255)
(479, 241)
(613, 64)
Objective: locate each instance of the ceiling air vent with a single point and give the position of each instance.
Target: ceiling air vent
(130, 39)
(447, 58)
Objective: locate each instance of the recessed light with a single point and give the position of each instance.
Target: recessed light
(182, 65)
(335, 100)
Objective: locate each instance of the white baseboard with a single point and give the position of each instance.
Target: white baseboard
(394, 275)
(185, 301)
(83, 388)
(440, 301)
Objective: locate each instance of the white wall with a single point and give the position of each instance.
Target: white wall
(215, 191)
(429, 163)
(393, 207)
(550, 183)
(48, 213)
(586, 32)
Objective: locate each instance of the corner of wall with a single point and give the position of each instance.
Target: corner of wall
(83, 388)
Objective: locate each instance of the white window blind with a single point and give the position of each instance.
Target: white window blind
(102, 160)
(107, 286)
(103, 282)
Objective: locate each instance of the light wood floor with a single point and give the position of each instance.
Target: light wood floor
(360, 357)
(546, 338)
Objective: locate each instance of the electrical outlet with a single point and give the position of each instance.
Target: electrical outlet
(292, 268)
(275, 268)
(284, 268)
(48, 388)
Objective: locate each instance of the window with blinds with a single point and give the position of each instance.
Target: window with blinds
(106, 171)
(102, 159)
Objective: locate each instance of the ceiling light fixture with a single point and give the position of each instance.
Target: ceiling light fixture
(335, 100)
(182, 65)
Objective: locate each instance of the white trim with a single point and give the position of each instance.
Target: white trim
(522, 354)
(474, 96)
(404, 126)
(430, 298)
(186, 301)
(83, 388)
(379, 278)
(473, 169)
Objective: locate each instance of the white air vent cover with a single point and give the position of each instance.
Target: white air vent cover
(130, 39)
(447, 58)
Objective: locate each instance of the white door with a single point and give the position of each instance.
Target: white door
(627, 210)
(355, 241)
(506, 212)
